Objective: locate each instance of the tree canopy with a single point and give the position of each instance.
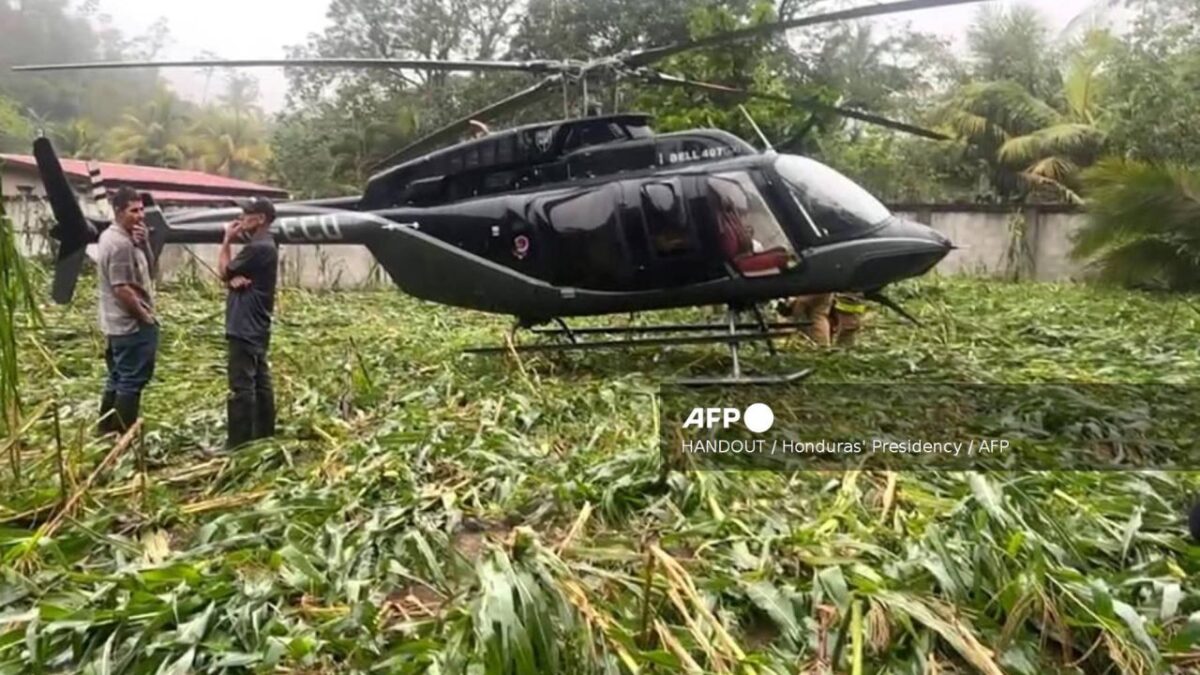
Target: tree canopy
(1029, 109)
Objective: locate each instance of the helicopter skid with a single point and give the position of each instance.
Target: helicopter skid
(732, 334)
(789, 327)
(743, 380)
(577, 345)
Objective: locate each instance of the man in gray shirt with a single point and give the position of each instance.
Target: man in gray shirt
(126, 311)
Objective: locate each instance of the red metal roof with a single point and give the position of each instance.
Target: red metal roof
(144, 176)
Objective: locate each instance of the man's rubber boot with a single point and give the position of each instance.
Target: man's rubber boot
(264, 413)
(127, 406)
(239, 413)
(108, 418)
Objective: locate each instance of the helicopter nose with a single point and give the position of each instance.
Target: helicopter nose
(911, 229)
(899, 249)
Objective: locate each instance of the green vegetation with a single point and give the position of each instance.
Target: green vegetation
(17, 300)
(425, 511)
(1145, 229)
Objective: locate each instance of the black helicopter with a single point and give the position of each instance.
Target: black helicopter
(584, 217)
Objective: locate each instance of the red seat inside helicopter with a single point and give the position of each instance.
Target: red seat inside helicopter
(738, 244)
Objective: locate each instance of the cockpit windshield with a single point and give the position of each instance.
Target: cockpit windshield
(835, 206)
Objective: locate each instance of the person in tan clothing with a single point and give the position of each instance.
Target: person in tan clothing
(848, 313)
(814, 309)
(829, 315)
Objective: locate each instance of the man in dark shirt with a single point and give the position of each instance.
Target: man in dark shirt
(249, 306)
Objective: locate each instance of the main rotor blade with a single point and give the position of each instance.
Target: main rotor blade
(524, 66)
(648, 56)
(807, 103)
(453, 129)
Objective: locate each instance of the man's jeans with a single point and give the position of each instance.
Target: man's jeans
(251, 405)
(130, 359)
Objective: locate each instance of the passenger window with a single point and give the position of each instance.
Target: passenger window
(582, 212)
(586, 245)
(665, 221)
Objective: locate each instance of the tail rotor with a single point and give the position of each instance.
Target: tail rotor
(72, 229)
(156, 225)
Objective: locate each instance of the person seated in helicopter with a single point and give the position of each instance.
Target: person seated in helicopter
(746, 253)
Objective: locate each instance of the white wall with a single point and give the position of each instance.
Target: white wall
(990, 239)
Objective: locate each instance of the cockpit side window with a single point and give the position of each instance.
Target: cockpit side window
(749, 235)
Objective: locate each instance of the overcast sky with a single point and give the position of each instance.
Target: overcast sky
(262, 28)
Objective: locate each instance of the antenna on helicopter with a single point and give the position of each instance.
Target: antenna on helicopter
(766, 143)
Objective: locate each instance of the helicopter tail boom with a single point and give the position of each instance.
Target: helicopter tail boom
(296, 223)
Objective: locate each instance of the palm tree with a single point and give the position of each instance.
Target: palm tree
(15, 129)
(1144, 225)
(1053, 155)
(78, 139)
(156, 137)
(1113, 16)
(230, 145)
(241, 93)
(1027, 142)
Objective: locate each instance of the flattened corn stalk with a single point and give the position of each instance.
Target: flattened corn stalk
(470, 439)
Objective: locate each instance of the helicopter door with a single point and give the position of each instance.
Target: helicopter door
(663, 241)
(750, 238)
(583, 228)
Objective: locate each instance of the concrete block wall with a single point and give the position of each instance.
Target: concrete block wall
(992, 241)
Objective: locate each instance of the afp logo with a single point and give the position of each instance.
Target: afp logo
(758, 417)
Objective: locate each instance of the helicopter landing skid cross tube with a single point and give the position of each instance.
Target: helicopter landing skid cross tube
(736, 377)
(731, 333)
